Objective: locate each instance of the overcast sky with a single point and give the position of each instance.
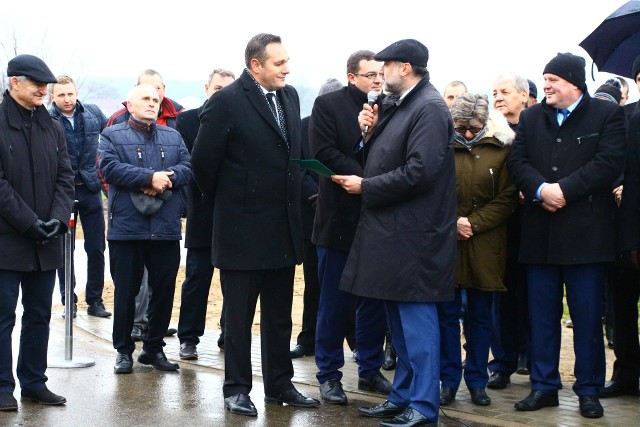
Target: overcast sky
(472, 41)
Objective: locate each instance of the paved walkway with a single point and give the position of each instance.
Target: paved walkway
(619, 412)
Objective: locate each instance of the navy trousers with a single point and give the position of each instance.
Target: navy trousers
(195, 295)
(584, 286)
(128, 259)
(478, 334)
(332, 326)
(91, 214)
(37, 295)
(416, 340)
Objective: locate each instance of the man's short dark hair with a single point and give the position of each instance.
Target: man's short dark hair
(353, 63)
(257, 48)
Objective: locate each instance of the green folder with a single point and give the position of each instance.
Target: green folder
(314, 166)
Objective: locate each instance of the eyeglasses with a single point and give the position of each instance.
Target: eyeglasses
(371, 76)
(462, 130)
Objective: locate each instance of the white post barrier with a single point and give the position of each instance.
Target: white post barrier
(69, 303)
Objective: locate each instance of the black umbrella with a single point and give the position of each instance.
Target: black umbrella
(616, 42)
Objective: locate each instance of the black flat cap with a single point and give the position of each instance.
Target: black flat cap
(533, 90)
(32, 68)
(407, 50)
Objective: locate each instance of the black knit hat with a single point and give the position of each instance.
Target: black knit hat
(32, 68)
(533, 90)
(635, 68)
(570, 67)
(610, 91)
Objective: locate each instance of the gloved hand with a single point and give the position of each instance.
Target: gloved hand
(37, 231)
(53, 228)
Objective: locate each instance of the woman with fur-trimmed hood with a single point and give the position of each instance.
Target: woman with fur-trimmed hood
(486, 199)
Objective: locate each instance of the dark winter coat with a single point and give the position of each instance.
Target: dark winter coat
(92, 121)
(36, 182)
(199, 208)
(405, 244)
(584, 156)
(487, 198)
(242, 161)
(333, 130)
(128, 159)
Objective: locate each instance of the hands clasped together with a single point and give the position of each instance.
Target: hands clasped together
(159, 183)
(45, 232)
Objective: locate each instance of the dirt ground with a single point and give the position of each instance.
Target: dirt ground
(215, 307)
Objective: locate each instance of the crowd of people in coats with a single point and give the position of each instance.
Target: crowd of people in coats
(428, 220)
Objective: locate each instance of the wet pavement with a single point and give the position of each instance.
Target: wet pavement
(193, 396)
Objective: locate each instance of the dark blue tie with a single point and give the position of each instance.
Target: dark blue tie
(565, 114)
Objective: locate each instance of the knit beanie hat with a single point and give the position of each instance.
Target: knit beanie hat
(570, 67)
(610, 90)
(635, 68)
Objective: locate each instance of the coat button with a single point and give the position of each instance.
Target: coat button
(554, 168)
(558, 139)
(477, 157)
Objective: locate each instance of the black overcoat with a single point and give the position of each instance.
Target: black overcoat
(405, 244)
(241, 160)
(333, 131)
(585, 157)
(36, 182)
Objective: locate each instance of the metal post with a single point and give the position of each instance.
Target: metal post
(69, 245)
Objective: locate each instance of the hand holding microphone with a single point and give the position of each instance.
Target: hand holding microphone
(367, 115)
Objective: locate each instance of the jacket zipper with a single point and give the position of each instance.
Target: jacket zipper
(493, 184)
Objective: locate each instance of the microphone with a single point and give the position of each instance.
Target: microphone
(372, 97)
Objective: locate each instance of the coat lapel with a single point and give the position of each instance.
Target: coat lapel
(259, 102)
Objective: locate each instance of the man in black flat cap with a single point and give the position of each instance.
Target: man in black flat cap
(36, 194)
(569, 151)
(404, 249)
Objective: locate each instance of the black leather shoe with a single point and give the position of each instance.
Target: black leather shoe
(97, 309)
(409, 418)
(137, 333)
(537, 400)
(221, 341)
(171, 332)
(590, 407)
(8, 402)
(390, 357)
(188, 351)
(384, 410)
(300, 351)
(479, 397)
(240, 404)
(124, 364)
(614, 388)
(292, 397)
(376, 383)
(157, 360)
(44, 397)
(498, 380)
(523, 365)
(447, 395)
(331, 392)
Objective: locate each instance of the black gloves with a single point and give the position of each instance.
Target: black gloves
(37, 231)
(43, 232)
(54, 228)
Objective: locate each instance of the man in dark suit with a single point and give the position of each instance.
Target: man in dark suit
(569, 150)
(241, 160)
(199, 271)
(332, 131)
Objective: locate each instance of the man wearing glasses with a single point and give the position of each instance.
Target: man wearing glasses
(332, 131)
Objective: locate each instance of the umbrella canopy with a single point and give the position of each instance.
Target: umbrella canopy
(616, 42)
